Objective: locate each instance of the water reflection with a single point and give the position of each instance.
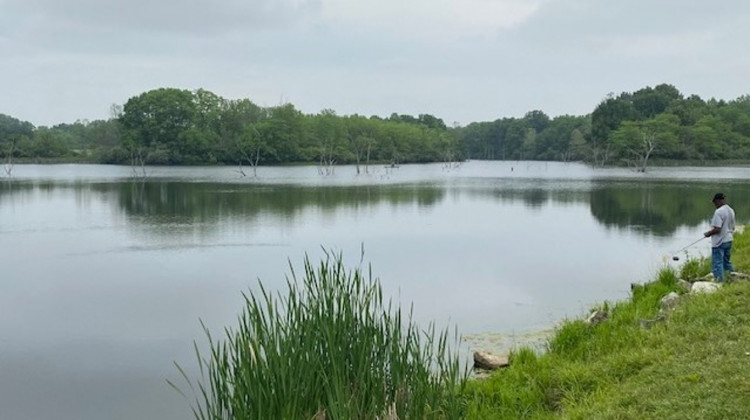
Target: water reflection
(209, 201)
(661, 208)
(104, 279)
(654, 208)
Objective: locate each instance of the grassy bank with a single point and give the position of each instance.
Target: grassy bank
(693, 365)
(331, 348)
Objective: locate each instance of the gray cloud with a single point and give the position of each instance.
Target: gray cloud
(460, 60)
(191, 17)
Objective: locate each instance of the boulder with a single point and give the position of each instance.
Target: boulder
(704, 287)
(735, 275)
(648, 323)
(485, 360)
(669, 301)
(684, 285)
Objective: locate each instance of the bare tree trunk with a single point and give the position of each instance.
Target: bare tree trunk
(8, 166)
(641, 156)
(450, 161)
(367, 164)
(138, 163)
(649, 144)
(601, 156)
(331, 160)
(327, 161)
(255, 162)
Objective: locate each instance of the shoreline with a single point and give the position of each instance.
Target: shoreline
(665, 352)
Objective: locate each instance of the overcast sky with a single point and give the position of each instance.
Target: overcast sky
(460, 60)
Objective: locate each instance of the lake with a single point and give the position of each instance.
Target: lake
(104, 279)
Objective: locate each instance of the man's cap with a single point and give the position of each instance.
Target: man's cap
(718, 196)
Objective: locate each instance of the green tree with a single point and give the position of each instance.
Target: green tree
(330, 139)
(51, 142)
(650, 102)
(528, 149)
(238, 120)
(554, 142)
(284, 131)
(104, 140)
(155, 123)
(537, 120)
(431, 121)
(362, 133)
(577, 148)
(475, 140)
(13, 133)
(253, 145)
(607, 117)
(201, 143)
(688, 110)
(707, 136)
(637, 141)
(515, 135)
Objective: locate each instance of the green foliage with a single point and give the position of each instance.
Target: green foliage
(14, 139)
(113, 155)
(160, 118)
(533, 137)
(660, 123)
(637, 141)
(176, 126)
(695, 268)
(330, 347)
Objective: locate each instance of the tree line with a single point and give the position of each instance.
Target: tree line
(170, 126)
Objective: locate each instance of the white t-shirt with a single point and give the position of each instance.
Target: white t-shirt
(724, 219)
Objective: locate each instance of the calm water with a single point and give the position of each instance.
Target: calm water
(103, 280)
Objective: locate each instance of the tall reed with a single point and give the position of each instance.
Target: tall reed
(330, 348)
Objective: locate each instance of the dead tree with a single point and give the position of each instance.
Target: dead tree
(8, 164)
(641, 152)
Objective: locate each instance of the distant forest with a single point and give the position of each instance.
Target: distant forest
(170, 126)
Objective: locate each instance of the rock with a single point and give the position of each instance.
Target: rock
(320, 415)
(686, 286)
(735, 275)
(485, 360)
(669, 301)
(648, 323)
(704, 287)
(597, 317)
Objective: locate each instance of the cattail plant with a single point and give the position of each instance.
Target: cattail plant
(330, 348)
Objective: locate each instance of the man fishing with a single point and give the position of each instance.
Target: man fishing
(722, 228)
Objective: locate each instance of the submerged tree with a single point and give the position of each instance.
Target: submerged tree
(637, 141)
(12, 133)
(252, 146)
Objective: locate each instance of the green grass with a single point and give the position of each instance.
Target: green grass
(329, 348)
(694, 365)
